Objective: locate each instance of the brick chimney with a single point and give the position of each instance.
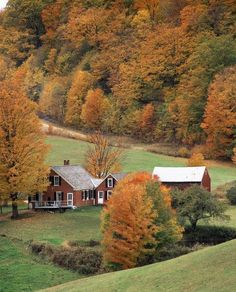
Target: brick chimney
(66, 162)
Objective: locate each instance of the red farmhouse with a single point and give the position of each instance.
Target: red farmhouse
(72, 186)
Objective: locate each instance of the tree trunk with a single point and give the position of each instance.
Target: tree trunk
(15, 213)
(194, 224)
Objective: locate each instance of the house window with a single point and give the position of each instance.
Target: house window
(83, 196)
(109, 193)
(56, 181)
(110, 182)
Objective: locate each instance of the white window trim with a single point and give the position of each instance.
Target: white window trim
(87, 195)
(83, 195)
(56, 185)
(110, 182)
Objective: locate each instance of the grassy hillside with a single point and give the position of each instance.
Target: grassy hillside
(210, 269)
(134, 160)
(20, 271)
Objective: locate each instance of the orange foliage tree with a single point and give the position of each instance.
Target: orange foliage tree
(138, 221)
(94, 109)
(128, 223)
(101, 158)
(220, 114)
(22, 146)
(82, 81)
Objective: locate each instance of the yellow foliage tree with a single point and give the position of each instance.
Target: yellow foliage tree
(197, 159)
(22, 147)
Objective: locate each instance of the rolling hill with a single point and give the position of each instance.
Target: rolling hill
(210, 269)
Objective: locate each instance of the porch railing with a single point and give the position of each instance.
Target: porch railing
(52, 204)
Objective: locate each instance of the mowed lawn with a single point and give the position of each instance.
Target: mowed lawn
(210, 269)
(81, 224)
(134, 160)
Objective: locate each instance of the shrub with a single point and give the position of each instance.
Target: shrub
(231, 195)
(209, 235)
(175, 250)
(78, 259)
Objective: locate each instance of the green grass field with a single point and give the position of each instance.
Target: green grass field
(81, 224)
(20, 271)
(210, 269)
(134, 160)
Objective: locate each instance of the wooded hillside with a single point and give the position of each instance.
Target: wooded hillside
(158, 70)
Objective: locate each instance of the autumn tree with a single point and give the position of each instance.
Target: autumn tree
(22, 147)
(131, 237)
(53, 98)
(234, 155)
(81, 83)
(94, 109)
(128, 223)
(196, 159)
(220, 114)
(152, 6)
(101, 158)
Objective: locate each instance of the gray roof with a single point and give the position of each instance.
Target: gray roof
(75, 175)
(97, 181)
(119, 176)
(79, 178)
(179, 174)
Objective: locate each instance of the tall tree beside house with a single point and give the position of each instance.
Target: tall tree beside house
(138, 221)
(22, 147)
(101, 158)
(127, 223)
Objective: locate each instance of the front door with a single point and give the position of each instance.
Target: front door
(70, 199)
(100, 197)
(58, 196)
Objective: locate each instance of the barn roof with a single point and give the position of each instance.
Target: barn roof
(179, 174)
(75, 175)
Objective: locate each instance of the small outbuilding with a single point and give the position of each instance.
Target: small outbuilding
(183, 177)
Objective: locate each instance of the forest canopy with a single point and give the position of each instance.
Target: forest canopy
(164, 67)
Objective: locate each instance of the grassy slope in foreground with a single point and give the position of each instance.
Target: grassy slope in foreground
(20, 271)
(210, 269)
(134, 160)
